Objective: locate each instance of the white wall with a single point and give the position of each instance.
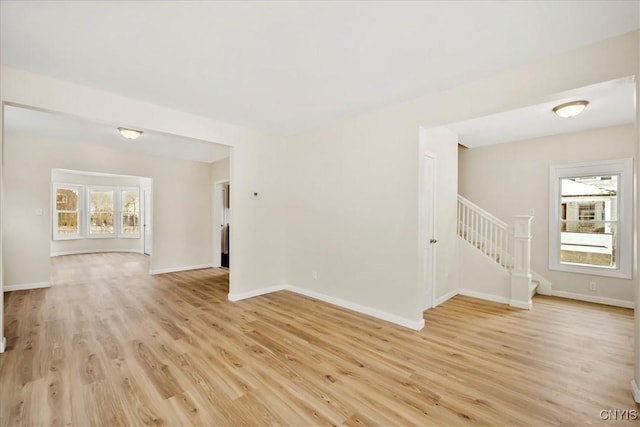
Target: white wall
(62, 247)
(351, 211)
(220, 170)
(513, 179)
(481, 276)
(636, 279)
(181, 199)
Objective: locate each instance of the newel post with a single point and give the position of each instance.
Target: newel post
(521, 274)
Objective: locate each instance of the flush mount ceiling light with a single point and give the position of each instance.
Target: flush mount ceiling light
(570, 109)
(130, 133)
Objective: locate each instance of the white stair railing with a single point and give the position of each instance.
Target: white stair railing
(486, 232)
(511, 248)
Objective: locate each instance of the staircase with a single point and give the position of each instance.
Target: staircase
(508, 247)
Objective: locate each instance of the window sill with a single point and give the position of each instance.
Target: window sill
(592, 271)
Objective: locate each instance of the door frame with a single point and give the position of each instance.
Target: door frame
(218, 206)
(147, 194)
(423, 240)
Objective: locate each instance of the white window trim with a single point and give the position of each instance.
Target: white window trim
(84, 212)
(54, 209)
(88, 210)
(121, 234)
(624, 249)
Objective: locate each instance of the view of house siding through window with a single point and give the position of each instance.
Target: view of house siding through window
(589, 220)
(67, 210)
(130, 209)
(100, 211)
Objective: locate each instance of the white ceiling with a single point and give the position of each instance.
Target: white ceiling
(610, 103)
(283, 66)
(57, 127)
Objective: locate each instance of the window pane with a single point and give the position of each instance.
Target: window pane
(66, 199)
(130, 211)
(101, 211)
(68, 223)
(594, 247)
(589, 213)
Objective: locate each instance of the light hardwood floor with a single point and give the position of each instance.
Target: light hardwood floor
(108, 344)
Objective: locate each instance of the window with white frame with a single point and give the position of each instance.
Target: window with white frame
(590, 218)
(67, 217)
(95, 212)
(101, 211)
(130, 212)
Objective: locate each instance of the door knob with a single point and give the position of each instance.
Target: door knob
(433, 241)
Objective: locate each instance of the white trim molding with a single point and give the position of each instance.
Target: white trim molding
(26, 286)
(181, 268)
(97, 251)
(3, 345)
(636, 391)
(446, 297)
(545, 287)
(483, 296)
(524, 305)
(255, 293)
(623, 247)
(416, 325)
(596, 299)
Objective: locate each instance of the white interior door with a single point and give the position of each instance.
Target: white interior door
(146, 225)
(429, 239)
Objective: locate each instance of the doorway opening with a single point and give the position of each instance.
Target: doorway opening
(146, 222)
(222, 231)
(98, 213)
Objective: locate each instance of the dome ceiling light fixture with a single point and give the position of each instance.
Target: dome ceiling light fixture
(130, 133)
(570, 109)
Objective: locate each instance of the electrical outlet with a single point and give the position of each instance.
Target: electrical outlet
(314, 274)
(592, 286)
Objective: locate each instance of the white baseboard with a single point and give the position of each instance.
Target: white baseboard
(373, 312)
(524, 305)
(3, 345)
(636, 391)
(483, 296)
(369, 311)
(181, 268)
(255, 293)
(96, 251)
(593, 298)
(446, 297)
(26, 286)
